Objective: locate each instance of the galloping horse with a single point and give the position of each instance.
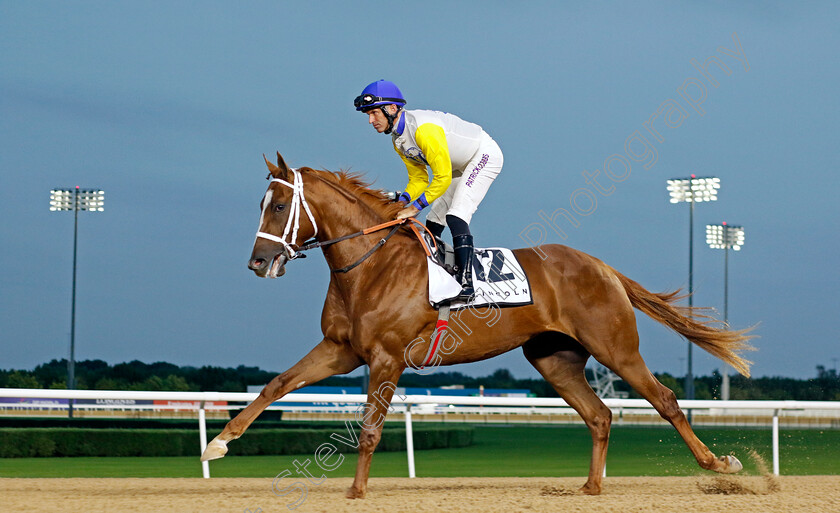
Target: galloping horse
(581, 307)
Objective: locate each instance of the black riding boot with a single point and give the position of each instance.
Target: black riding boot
(463, 261)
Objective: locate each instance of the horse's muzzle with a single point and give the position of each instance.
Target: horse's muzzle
(269, 268)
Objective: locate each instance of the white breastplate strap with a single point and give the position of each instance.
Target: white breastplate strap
(293, 223)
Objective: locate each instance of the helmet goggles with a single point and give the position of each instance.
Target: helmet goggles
(364, 101)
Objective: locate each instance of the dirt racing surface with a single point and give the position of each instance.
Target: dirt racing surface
(707, 493)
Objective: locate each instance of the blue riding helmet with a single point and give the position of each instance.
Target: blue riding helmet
(381, 92)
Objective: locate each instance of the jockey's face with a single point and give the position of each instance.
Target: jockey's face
(378, 119)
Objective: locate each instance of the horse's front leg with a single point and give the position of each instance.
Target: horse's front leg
(326, 359)
(381, 387)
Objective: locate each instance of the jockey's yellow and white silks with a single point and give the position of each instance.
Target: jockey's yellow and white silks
(464, 161)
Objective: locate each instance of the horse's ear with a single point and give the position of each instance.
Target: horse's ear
(271, 167)
(281, 170)
(282, 164)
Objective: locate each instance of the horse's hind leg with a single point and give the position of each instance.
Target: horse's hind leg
(561, 361)
(326, 359)
(633, 370)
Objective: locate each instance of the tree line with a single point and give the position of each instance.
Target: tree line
(162, 376)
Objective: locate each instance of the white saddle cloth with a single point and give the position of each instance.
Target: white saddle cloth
(497, 278)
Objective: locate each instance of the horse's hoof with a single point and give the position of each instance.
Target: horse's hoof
(353, 493)
(215, 450)
(588, 489)
(731, 464)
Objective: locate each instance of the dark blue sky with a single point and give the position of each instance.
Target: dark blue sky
(169, 107)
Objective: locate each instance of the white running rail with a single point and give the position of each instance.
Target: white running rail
(202, 398)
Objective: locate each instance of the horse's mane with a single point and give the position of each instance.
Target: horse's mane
(355, 185)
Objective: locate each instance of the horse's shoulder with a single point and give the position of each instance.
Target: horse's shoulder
(334, 318)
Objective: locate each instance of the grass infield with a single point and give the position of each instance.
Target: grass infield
(498, 451)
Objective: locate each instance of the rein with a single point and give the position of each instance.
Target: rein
(299, 199)
(397, 223)
(371, 251)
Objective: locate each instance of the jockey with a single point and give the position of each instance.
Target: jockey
(464, 161)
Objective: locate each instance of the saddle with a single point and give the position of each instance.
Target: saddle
(499, 280)
(497, 276)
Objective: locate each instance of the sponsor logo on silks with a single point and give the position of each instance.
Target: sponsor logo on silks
(415, 154)
(477, 169)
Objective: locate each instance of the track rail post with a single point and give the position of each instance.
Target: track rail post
(202, 438)
(409, 441)
(776, 442)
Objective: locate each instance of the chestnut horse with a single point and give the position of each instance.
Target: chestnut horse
(582, 307)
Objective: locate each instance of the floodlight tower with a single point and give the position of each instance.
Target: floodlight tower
(90, 200)
(692, 190)
(724, 236)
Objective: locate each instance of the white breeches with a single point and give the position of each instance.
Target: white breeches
(462, 197)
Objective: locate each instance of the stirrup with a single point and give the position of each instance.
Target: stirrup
(466, 294)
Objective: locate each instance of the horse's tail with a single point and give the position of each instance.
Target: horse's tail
(719, 341)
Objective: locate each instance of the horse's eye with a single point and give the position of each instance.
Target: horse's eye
(279, 207)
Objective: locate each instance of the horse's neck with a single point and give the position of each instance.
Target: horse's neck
(341, 213)
(344, 214)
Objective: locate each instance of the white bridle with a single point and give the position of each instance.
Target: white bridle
(298, 199)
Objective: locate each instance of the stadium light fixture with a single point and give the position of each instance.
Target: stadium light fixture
(692, 190)
(725, 237)
(88, 200)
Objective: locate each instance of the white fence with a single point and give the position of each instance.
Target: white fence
(404, 404)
